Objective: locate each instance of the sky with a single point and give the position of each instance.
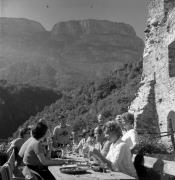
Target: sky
(50, 12)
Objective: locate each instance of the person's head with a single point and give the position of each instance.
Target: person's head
(118, 119)
(24, 133)
(112, 130)
(62, 121)
(127, 120)
(42, 120)
(39, 131)
(98, 134)
(84, 133)
(99, 117)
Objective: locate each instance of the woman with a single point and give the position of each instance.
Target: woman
(82, 143)
(102, 144)
(34, 157)
(119, 156)
(130, 136)
(16, 144)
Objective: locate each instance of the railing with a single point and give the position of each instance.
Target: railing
(171, 133)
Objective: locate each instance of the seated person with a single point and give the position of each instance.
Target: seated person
(16, 144)
(34, 157)
(81, 147)
(119, 156)
(130, 136)
(90, 139)
(102, 144)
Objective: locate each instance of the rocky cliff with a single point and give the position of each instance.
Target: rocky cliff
(72, 53)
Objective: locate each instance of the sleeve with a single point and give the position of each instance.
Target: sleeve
(118, 156)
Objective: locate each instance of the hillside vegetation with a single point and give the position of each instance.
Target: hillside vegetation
(111, 96)
(19, 102)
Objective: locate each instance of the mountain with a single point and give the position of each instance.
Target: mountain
(19, 102)
(72, 53)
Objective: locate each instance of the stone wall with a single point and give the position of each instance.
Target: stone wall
(157, 67)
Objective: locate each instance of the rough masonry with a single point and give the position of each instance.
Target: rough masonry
(154, 104)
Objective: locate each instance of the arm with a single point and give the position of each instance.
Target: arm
(95, 153)
(80, 145)
(49, 162)
(54, 137)
(43, 159)
(105, 148)
(10, 148)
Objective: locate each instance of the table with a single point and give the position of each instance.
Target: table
(91, 175)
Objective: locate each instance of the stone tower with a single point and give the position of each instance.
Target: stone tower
(154, 104)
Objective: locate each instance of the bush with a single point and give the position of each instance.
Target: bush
(148, 144)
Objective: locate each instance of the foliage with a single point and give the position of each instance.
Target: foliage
(19, 102)
(149, 144)
(110, 96)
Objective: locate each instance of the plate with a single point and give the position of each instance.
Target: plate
(73, 170)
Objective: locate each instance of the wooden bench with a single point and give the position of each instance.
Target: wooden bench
(163, 167)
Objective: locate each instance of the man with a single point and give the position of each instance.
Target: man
(61, 134)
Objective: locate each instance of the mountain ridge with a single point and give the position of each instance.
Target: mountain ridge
(86, 50)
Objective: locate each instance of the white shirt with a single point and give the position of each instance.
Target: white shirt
(120, 156)
(131, 138)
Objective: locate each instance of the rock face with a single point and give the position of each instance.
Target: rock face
(158, 70)
(19, 25)
(92, 27)
(73, 52)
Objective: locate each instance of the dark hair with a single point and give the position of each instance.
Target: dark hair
(39, 131)
(23, 131)
(128, 117)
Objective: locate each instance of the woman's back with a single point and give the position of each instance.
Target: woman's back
(32, 150)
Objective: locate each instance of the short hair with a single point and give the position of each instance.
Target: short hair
(42, 120)
(113, 126)
(23, 131)
(99, 129)
(128, 117)
(39, 131)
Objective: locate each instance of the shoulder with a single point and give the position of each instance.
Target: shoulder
(129, 133)
(57, 128)
(132, 131)
(16, 140)
(121, 145)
